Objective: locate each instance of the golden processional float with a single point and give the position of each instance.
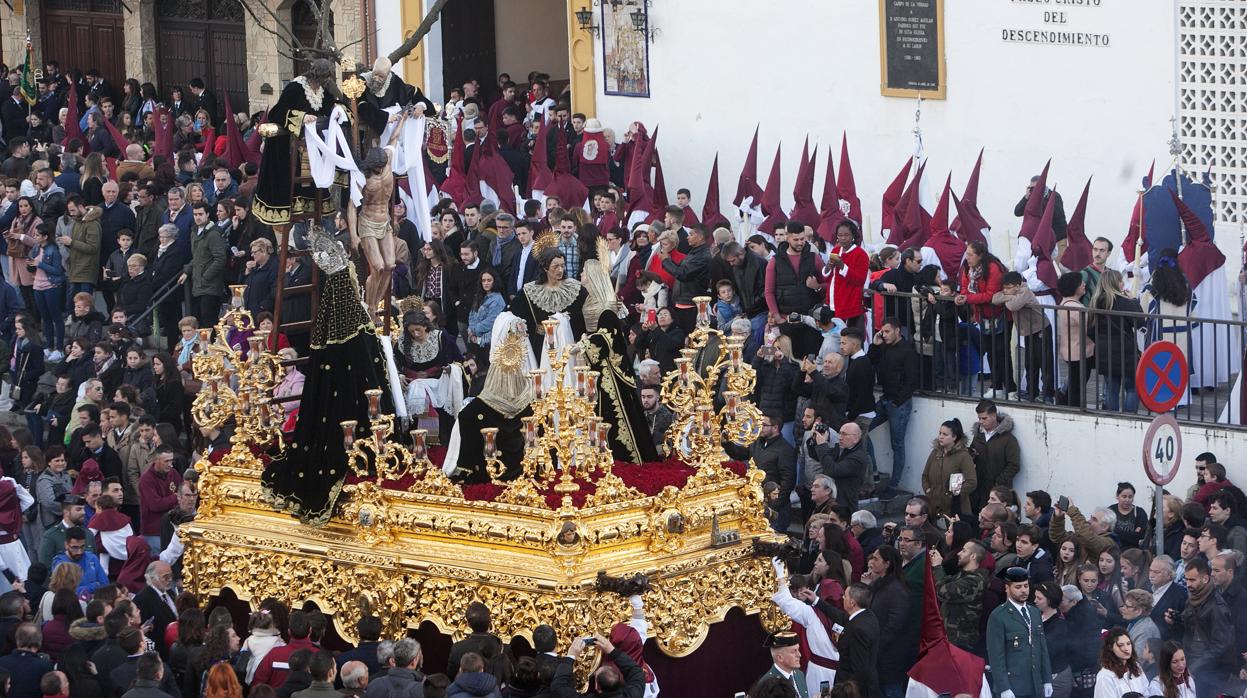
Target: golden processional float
(420, 551)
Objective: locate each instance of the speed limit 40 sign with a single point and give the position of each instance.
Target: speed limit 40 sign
(1162, 449)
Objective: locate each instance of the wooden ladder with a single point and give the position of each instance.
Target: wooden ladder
(285, 252)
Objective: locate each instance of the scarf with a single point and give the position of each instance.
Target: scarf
(976, 274)
(1198, 598)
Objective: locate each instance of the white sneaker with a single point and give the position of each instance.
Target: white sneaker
(1012, 396)
(56, 356)
(992, 394)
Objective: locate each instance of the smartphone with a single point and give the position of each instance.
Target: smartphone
(1062, 503)
(824, 688)
(651, 316)
(591, 642)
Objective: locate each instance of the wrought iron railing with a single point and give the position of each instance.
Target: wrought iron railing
(965, 355)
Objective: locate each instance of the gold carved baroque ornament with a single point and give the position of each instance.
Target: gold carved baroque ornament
(423, 553)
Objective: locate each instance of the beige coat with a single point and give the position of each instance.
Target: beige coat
(1071, 332)
(940, 467)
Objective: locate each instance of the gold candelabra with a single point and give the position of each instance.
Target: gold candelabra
(564, 439)
(376, 459)
(711, 362)
(377, 456)
(237, 385)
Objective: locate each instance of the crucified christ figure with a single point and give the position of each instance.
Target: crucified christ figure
(371, 228)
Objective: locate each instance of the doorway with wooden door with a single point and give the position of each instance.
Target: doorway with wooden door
(468, 50)
(203, 39)
(86, 34)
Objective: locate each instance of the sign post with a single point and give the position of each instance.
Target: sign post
(1162, 376)
(1162, 453)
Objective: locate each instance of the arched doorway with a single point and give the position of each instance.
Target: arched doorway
(205, 39)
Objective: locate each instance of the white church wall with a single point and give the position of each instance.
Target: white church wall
(812, 67)
(1082, 456)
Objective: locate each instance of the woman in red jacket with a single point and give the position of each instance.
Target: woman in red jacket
(981, 275)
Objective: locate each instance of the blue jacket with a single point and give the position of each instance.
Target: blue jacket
(25, 669)
(93, 574)
(211, 196)
(70, 181)
(477, 684)
(184, 222)
(481, 320)
(51, 264)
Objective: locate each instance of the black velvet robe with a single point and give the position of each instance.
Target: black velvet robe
(398, 93)
(527, 311)
(510, 441)
(619, 402)
(273, 204)
(346, 359)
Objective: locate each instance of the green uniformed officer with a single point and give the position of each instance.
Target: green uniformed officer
(786, 654)
(1016, 649)
(73, 513)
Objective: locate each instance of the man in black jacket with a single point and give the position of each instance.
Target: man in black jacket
(775, 457)
(859, 642)
(1206, 629)
(859, 373)
(628, 681)
(15, 117)
(900, 280)
(206, 100)
(1059, 223)
(260, 276)
(369, 630)
(479, 621)
(1031, 556)
(847, 462)
(827, 390)
(462, 283)
(692, 277)
(749, 277)
(896, 364)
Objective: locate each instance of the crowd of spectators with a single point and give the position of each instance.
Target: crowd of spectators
(116, 259)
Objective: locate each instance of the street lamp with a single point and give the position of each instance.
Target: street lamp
(584, 17)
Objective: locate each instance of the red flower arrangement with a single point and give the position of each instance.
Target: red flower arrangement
(648, 478)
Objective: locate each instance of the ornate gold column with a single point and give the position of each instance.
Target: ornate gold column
(413, 63)
(580, 48)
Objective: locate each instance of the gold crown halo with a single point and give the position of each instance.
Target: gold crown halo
(544, 242)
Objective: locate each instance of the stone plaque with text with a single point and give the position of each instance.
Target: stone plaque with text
(911, 48)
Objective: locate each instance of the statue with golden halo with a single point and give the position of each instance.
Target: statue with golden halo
(550, 294)
(504, 402)
(345, 362)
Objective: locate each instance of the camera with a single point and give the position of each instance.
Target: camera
(820, 428)
(794, 317)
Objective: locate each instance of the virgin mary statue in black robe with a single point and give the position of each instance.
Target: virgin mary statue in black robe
(346, 359)
(604, 348)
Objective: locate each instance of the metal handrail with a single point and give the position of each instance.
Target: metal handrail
(1038, 359)
(158, 298)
